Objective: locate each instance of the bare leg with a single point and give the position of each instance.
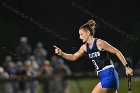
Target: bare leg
(98, 89)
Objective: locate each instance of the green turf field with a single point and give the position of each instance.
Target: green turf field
(86, 85)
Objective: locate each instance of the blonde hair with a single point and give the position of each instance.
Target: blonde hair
(89, 26)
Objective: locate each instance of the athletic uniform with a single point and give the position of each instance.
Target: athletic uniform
(105, 68)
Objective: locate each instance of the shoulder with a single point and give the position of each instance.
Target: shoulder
(83, 47)
(101, 43)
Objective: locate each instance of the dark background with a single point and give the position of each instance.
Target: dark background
(64, 18)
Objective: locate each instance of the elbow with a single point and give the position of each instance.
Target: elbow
(73, 58)
(117, 52)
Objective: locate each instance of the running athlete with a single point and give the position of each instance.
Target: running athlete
(97, 50)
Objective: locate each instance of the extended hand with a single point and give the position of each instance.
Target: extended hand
(58, 51)
(129, 71)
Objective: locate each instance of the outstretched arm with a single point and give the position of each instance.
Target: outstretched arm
(71, 57)
(103, 45)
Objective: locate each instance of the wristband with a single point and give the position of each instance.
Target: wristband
(126, 65)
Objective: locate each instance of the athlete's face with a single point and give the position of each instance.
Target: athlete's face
(84, 35)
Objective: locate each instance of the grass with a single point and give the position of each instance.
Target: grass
(86, 85)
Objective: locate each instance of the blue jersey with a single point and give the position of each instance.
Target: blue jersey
(99, 58)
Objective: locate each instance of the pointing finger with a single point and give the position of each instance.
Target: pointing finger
(55, 46)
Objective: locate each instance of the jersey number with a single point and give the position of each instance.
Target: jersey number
(95, 64)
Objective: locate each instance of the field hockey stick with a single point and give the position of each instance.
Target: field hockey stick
(129, 77)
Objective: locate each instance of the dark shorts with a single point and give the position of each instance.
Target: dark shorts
(109, 78)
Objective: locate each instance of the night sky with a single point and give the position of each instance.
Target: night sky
(56, 22)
